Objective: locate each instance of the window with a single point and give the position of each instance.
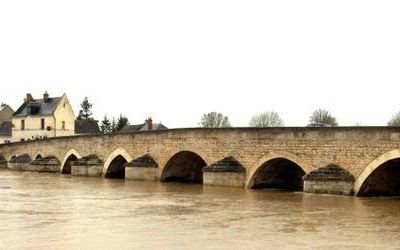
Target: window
(63, 125)
(42, 124)
(22, 124)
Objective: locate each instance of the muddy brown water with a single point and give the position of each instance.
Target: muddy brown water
(53, 211)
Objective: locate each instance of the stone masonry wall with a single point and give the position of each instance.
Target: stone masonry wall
(141, 174)
(226, 179)
(86, 170)
(351, 148)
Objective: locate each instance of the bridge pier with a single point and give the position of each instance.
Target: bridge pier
(330, 179)
(48, 164)
(141, 169)
(227, 172)
(3, 162)
(273, 158)
(90, 165)
(20, 162)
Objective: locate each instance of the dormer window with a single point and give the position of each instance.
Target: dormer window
(33, 108)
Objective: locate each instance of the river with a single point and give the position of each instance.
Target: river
(52, 211)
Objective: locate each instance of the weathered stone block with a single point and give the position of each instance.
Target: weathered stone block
(79, 170)
(227, 172)
(143, 168)
(49, 164)
(3, 162)
(141, 174)
(331, 179)
(328, 187)
(89, 165)
(19, 166)
(84, 170)
(226, 179)
(20, 162)
(95, 170)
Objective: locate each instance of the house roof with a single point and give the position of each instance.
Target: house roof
(156, 126)
(86, 127)
(4, 107)
(5, 128)
(44, 108)
(143, 127)
(131, 128)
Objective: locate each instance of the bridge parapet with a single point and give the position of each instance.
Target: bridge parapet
(257, 149)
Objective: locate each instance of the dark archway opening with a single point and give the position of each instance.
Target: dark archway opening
(383, 181)
(39, 156)
(279, 173)
(3, 160)
(67, 165)
(116, 169)
(186, 167)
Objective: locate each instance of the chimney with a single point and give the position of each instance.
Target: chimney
(149, 122)
(29, 98)
(45, 96)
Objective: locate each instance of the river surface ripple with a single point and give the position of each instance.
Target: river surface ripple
(52, 211)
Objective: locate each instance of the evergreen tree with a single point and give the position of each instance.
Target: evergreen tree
(85, 113)
(122, 122)
(105, 126)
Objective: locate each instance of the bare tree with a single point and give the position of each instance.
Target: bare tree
(214, 120)
(395, 121)
(266, 119)
(324, 117)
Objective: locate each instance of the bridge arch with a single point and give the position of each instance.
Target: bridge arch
(70, 156)
(280, 170)
(184, 166)
(381, 177)
(114, 165)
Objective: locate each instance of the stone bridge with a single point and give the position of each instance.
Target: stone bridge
(243, 157)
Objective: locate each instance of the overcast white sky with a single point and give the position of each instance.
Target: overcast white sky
(175, 60)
